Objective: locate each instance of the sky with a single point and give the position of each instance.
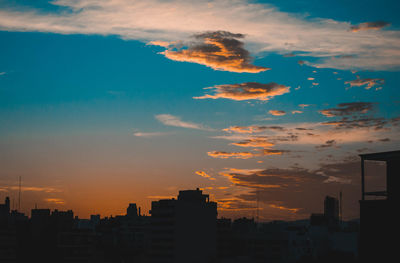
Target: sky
(106, 103)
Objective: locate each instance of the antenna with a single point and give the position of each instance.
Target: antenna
(340, 208)
(19, 195)
(257, 194)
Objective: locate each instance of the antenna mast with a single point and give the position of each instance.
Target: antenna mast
(19, 195)
(340, 208)
(257, 215)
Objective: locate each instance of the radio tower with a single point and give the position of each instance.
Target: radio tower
(257, 215)
(340, 208)
(19, 194)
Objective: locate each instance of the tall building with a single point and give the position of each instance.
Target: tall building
(378, 219)
(331, 210)
(4, 212)
(183, 229)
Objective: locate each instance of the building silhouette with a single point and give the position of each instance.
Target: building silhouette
(183, 229)
(378, 220)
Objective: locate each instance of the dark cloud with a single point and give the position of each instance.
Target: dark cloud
(246, 91)
(367, 122)
(219, 50)
(369, 26)
(298, 187)
(348, 109)
(327, 144)
(368, 82)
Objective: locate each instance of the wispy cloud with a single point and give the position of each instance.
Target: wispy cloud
(150, 134)
(171, 120)
(32, 189)
(205, 175)
(252, 129)
(376, 25)
(367, 82)
(246, 91)
(57, 201)
(266, 28)
(256, 142)
(235, 155)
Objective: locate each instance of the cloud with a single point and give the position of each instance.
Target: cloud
(220, 50)
(327, 144)
(235, 155)
(297, 112)
(348, 109)
(268, 178)
(235, 204)
(304, 105)
(175, 121)
(366, 122)
(205, 175)
(246, 91)
(33, 189)
(257, 142)
(298, 187)
(369, 26)
(277, 112)
(274, 152)
(280, 207)
(368, 82)
(150, 134)
(252, 129)
(267, 29)
(57, 201)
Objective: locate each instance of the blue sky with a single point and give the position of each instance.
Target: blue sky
(101, 98)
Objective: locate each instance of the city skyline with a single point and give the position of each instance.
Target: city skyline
(271, 102)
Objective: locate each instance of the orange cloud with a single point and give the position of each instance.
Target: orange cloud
(291, 210)
(236, 155)
(56, 201)
(246, 91)
(273, 152)
(296, 111)
(256, 142)
(218, 50)
(252, 129)
(277, 112)
(204, 174)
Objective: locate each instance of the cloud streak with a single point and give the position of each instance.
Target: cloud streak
(350, 108)
(367, 82)
(235, 155)
(246, 91)
(171, 120)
